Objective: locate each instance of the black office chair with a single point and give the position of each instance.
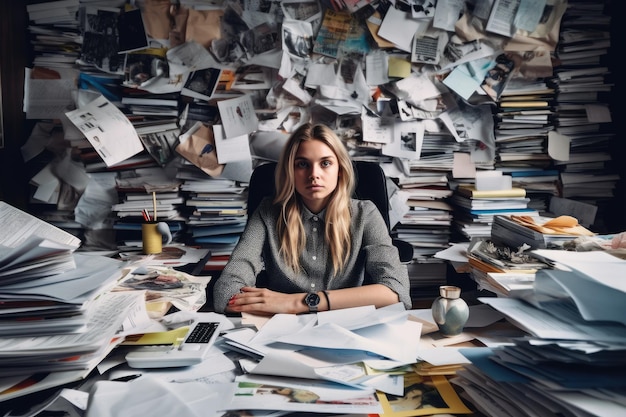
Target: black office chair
(371, 184)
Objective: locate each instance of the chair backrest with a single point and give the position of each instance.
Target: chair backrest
(371, 184)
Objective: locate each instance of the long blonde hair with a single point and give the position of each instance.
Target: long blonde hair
(290, 228)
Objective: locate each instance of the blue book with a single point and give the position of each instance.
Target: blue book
(225, 239)
(542, 173)
(217, 230)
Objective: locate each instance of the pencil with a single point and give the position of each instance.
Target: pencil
(154, 218)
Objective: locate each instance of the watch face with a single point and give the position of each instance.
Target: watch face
(312, 300)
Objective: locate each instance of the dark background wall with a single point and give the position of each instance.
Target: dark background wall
(15, 56)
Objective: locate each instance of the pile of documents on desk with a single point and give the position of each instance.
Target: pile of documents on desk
(164, 287)
(360, 360)
(574, 361)
(56, 319)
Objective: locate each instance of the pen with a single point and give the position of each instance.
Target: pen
(145, 215)
(154, 206)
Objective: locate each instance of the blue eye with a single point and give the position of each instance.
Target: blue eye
(326, 164)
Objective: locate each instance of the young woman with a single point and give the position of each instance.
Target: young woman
(314, 241)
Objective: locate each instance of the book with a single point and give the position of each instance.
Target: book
(510, 284)
(471, 191)
(217, 230)
(568, 178)
(148, 196)
(149, 101)
(490, 267)
(141, 160)
(161, 203)
(216, 262)
(525, 103)
(221, 204)
(506, 203)
(552, 173)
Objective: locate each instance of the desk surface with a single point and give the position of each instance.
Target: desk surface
(438, 351)
(27, 402)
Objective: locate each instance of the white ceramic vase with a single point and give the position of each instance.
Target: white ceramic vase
(450, 311)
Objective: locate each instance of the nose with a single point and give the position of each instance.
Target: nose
(314, 173)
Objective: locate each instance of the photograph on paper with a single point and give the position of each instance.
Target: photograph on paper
(423, 396)
(275, 393)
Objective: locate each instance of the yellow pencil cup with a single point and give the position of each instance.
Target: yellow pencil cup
(151, 238)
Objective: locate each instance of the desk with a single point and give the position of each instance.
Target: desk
(94, 377)
(517, 387)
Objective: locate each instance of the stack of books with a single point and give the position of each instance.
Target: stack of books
(524, 118)
(135, 190)
(476, 209)
(153, 105)
(426, 225)
(217, 210)
(426, 276)
(583, 84)
(425, 185)
(55, 35)
(541, 184)
(137, 204)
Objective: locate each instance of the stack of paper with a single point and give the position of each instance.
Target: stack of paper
(55, 316)
(574, 358)
(583, 82)
(56, 36)
(362, 357)
(218, 214)
(30, 363)
(424, 188)
(491, 257)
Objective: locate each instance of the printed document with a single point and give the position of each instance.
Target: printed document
(108, 130)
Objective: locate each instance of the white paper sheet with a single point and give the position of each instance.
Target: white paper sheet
(108, 130)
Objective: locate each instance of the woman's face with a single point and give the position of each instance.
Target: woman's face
(316, 170)
(415, 393)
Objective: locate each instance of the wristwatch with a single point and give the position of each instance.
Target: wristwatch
(312, 300)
